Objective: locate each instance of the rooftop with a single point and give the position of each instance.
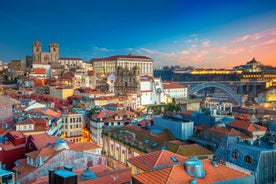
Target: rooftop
(177, 174)
(154, 159)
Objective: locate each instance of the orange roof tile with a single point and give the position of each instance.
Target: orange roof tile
(154, 159)
(43, 152)
(39, 70)
(41, 140)
(188, 112)
(83, 146)
(173, 85)
(17, 134)
(52, 113)
(103, 114)
(246, 125)
(177, 174)
(202, 127)
(33, 121)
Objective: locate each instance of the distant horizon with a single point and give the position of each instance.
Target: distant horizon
(202, 34)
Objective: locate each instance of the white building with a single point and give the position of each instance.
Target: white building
(152, 91)
(110, 81)
(67, 62)
(175, 90)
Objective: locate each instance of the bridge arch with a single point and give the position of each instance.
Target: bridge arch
(223, 87)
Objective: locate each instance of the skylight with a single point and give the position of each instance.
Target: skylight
(146, 141)
(154, 144)
(174, 159)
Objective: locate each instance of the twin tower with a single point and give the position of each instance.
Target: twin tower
(45, 57)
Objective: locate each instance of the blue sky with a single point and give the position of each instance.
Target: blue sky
(210, 34)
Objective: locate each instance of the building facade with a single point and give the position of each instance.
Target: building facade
(127, 81)
(106, 66)
(5, 111)
(45, 57)
(72, 126)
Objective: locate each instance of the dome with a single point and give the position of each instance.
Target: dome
(87, 174)
(60, 144)
(194, 168)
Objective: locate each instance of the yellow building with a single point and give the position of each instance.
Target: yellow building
(61, 92)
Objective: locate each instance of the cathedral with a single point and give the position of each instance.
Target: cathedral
(45, 57)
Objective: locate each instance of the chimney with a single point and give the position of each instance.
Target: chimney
(51, 176)
(68, 168)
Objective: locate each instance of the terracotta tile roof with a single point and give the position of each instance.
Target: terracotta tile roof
(52, 113)
(173, 85)
(202, 127)
(144, 123)
(39, 70)
(188, 112)
(225, 131)
(126, 113)
(41, 140)
(83, 146)
(17, 134)
(103, 114)
(246, 125)
(177, 174)
(33, 121)
(158, 158)
(37, 82)
(189, 150)
(23, 168)
(8, 145)
(43, 152)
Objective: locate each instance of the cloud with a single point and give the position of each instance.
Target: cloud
(206, 43)
(229, 53)
(154, 53)
(241, 39)
(257, 36)
(95, 48)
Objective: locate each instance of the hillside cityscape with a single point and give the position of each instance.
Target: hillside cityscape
(119, 120)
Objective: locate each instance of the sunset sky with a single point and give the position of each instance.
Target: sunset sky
(207, 34)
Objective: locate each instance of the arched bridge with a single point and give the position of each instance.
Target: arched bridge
(223, 87)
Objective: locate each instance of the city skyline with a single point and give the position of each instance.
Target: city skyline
(208, 34)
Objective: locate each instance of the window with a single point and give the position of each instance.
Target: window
(248, 159)
(30, 146)
(235, 154)
(174, 159)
